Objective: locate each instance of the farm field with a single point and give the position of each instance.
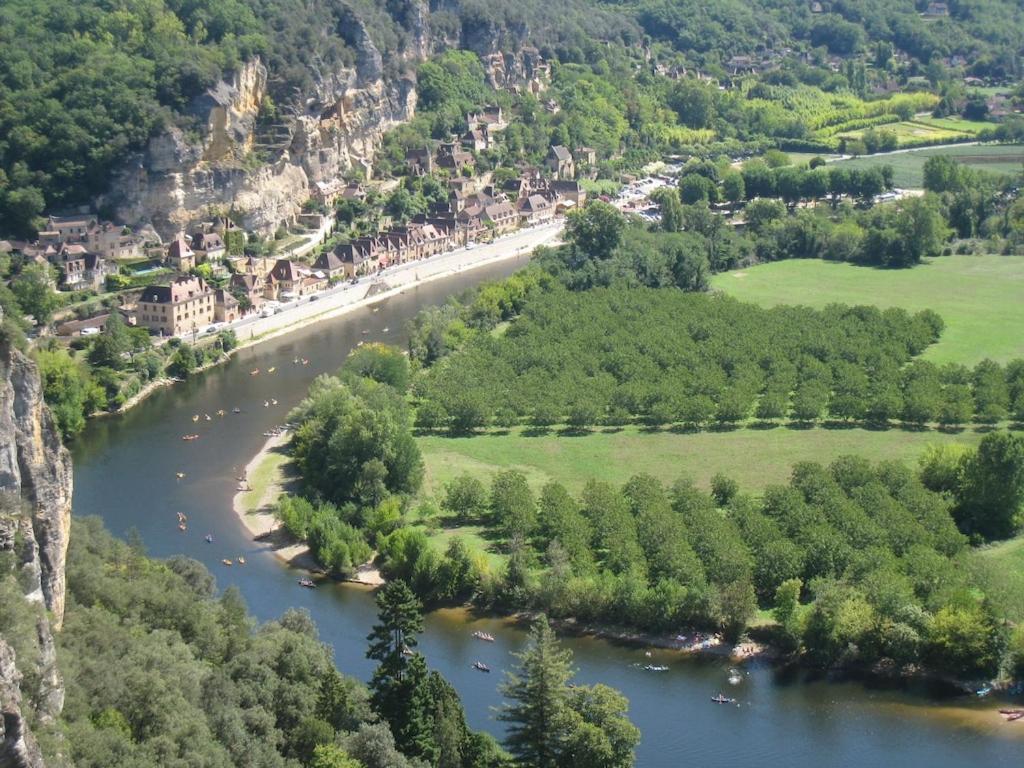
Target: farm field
(908, 167)
(926, 130)
(754, 457)
(979, 297)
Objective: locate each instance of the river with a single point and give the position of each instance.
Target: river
(125, 472)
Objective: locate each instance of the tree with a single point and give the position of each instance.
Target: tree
(600, 734)
(733, 187)
(69, 390)
(991, 487)
(465, 497)
(512, 504)
(33, 288)
(760, 213)
(693, 103)
(538, 713)
(380, 362)
(596, 231)
(671, 209)
(112, 345)
(398, 682)
(332, 756)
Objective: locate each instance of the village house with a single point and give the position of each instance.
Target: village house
(560, 162)
(535, 209)
(225, 307)
(586, 155)
(937, 10)
(330, 264)
(453, 158)
(251, 286)
(70, 228)
(353, 191)
(491, 119)
(184, 306)
(568, 192)
(419, 162)
(470, 223)
(356, 258)
(208, 247)
(289, 279)
(327, 192)
(502, 217)
(474, 140)
(180, 255)
(113, 242)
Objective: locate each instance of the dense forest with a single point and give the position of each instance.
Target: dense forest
(162, 669)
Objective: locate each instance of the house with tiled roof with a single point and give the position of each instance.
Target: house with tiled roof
(208, 247)
(535, 209)
(330, 264)
(180, 255)
(249, 285)
(184, 306)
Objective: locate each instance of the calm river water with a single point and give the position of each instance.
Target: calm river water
(125, 472)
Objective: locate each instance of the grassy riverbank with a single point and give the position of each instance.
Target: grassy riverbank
(978, 297)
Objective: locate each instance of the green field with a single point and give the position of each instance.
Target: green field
(926, 131)
(908, 167)
(981, 298)
(754, 457)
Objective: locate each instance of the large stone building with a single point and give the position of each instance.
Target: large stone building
(184, 306)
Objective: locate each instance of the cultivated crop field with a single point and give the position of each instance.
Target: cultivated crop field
(908, 167)
(980, 298)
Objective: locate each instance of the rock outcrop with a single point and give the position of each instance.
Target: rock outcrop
(35, 523)
(18, 748)
(261, 172)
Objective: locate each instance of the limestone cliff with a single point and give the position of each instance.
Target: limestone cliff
(261, 169)
(35, 521)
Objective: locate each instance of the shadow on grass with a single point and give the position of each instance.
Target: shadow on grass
(536, 432)
(763, 425)
(684, 429)
(573, 432)
(729, 426)
(611, 430)
(802, 426)
(984, 429)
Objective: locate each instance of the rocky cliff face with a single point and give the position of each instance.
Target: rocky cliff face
(264, 173)
(35, 522)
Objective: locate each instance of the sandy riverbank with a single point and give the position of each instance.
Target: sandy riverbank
(255, 510)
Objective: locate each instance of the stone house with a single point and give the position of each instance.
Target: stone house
(71, 228)
(208, 247)
(419, 162)
(475, 140)
(113, 242)
(501, 217)
(535, 209)
(252, 286)
(225, 307)
(561, 163)
(329, 264)
(453, 157)
(180, 255)
(184, 306)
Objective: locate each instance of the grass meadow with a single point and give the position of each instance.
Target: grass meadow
(981, 298)
(908, 167)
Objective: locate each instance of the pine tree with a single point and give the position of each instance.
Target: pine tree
(538, 712)
(399, 676)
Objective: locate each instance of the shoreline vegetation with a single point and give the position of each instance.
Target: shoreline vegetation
(269, 474)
